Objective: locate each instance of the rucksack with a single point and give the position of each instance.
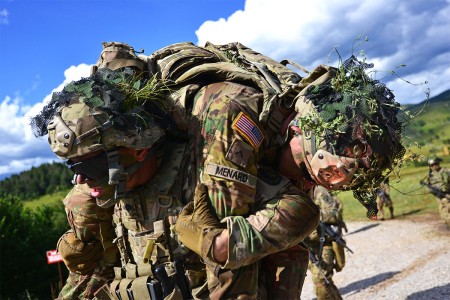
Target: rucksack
(117, 55)
(184, 65)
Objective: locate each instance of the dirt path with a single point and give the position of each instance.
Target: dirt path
(405, 258)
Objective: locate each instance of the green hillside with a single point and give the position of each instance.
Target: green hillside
(430, 131)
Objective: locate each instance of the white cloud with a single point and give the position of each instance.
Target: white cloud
(413, 33)
(17, 142)
(4, 14)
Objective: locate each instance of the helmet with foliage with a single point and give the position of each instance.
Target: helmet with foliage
(350, 129)
(105, 111)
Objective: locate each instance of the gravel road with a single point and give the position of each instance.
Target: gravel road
(404, 258)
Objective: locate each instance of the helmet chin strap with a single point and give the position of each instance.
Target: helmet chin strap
(118, 175)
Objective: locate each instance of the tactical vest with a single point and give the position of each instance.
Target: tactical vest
(142, 222)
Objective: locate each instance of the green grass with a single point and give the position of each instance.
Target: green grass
(408, 196)
(51, 199)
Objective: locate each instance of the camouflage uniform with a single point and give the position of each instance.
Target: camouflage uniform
(330, 257)
(440, 180)
(91, 225)
(264, 212)
(384, 200)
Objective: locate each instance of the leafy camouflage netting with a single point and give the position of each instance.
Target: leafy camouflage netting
(133, 103)
(357, 117)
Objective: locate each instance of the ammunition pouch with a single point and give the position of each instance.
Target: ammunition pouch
(161, 282)
(79, 257)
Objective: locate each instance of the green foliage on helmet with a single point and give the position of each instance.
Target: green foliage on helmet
(108, 109)
(351, 114)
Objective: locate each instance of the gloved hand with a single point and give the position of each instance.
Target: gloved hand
(79, 257)
(198, 224)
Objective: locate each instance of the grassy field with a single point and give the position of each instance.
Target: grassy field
(408, 196)
(51, 199)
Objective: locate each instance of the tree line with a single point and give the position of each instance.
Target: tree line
(26, 234)
(45, 179)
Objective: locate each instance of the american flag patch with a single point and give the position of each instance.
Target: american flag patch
(248, 129)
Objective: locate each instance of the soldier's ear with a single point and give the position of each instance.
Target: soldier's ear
(141, 154)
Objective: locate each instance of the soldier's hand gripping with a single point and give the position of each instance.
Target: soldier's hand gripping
(198, 224)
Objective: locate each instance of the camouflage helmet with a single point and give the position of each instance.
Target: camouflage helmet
(434, 161)
(350, 129)
(106, 110)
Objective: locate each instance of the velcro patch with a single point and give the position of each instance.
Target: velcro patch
(231, 174)
(248, 129)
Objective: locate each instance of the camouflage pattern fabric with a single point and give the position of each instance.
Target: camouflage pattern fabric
(89, 222)
(230, 144)
(384, 200)
(331, 213)
(139, 218)
(323, 290)
(284, 274)
(440, 180)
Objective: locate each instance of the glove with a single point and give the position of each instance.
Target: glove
(197, 224)
(79, 257)
(340, 256)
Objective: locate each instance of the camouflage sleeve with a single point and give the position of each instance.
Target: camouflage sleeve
(89, 222)
(445, 179)
(228, 145)
(284, 221)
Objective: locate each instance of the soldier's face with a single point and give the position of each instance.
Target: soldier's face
(435, 167)
(93, 169)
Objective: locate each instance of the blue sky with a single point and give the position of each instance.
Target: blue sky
(46, 44)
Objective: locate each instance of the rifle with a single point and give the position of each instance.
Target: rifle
(336, 236)
(434, 190)
(314, 260)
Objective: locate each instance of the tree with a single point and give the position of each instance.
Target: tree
(25, 236)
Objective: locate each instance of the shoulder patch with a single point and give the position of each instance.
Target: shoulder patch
(231, 174)
(248, 129)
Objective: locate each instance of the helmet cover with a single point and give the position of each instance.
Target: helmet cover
(106, 110)
(350, 129)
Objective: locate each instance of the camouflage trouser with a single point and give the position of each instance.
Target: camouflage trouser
(270, 234)
(284, 273)
(85, 286)
(278, 276)
(323, 290)
(444, 210)
(382, 202)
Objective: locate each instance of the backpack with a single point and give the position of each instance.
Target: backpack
(116, 55)
(186, 65)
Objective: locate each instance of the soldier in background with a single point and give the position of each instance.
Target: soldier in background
(438, 183)
(384, 200)
(326, 255)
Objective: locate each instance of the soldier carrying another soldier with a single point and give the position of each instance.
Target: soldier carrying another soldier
(142, 144)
